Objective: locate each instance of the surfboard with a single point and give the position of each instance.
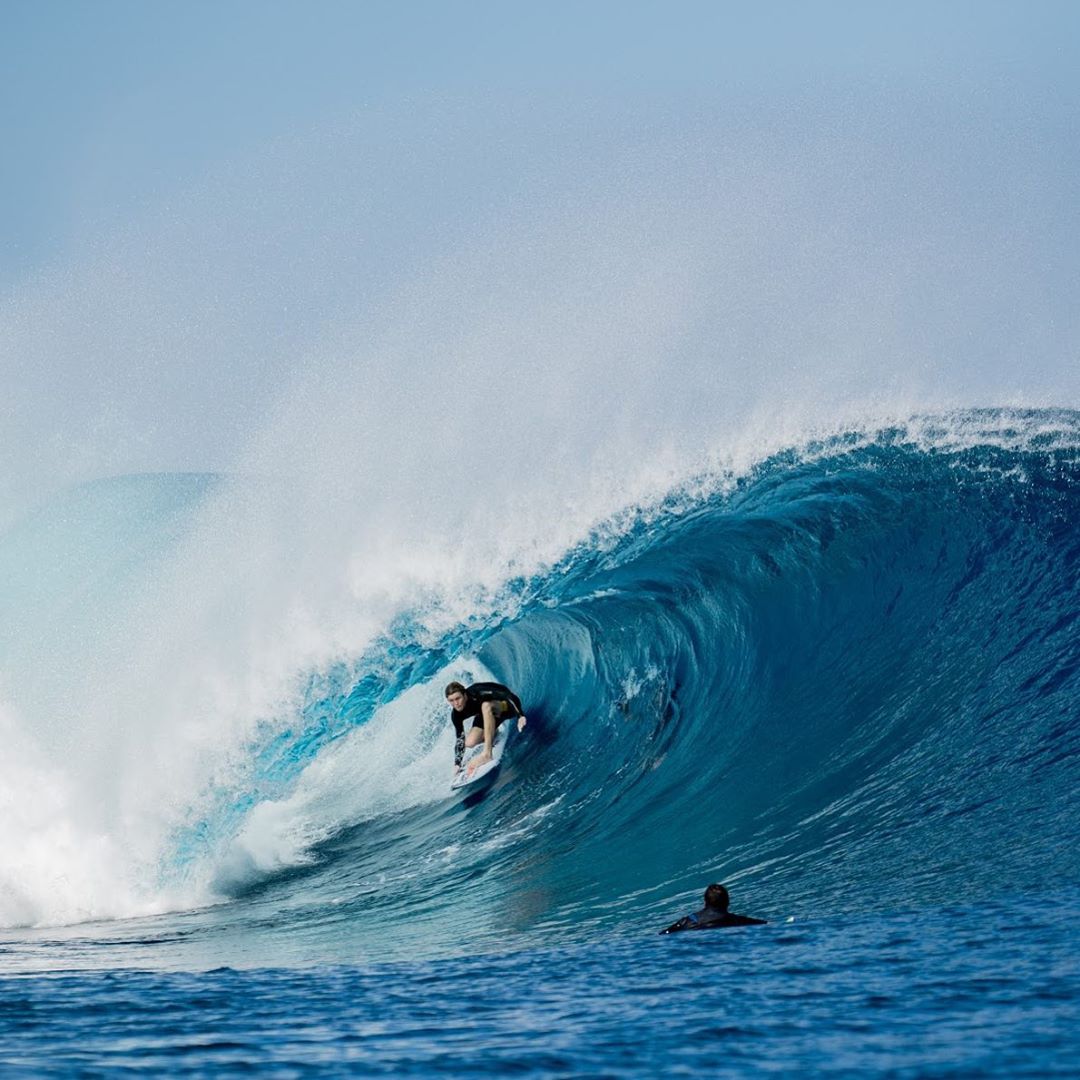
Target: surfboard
(489, 768)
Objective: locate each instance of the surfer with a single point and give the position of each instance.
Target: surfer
(714, 914)
(489, 704)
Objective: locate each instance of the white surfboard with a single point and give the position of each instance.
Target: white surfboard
(502, 736)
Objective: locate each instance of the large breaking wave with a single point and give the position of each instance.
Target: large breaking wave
(842, 678)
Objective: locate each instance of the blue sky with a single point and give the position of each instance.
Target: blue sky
(105, 106)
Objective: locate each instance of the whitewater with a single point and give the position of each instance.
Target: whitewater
(776, 534)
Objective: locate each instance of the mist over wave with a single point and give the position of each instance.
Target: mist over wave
(655, 281)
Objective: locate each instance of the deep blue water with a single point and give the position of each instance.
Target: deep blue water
(846, 682)
(992, 990)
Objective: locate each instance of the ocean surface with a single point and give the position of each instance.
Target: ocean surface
(844, 679)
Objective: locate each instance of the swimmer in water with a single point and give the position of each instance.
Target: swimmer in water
(714, 914)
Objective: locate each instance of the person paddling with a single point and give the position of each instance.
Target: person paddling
(714, 914)
(489, 704)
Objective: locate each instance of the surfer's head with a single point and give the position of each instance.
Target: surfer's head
(716, 896)
(455, 695)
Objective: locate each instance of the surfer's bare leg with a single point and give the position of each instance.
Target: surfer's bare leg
(487, 710)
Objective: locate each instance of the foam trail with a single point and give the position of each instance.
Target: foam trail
(400, 758)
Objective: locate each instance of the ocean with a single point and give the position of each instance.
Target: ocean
(842, 677)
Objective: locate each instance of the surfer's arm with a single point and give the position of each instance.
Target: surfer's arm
(687, 922)
(459, 741)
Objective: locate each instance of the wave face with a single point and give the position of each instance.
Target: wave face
(851, 680)
(845, 679)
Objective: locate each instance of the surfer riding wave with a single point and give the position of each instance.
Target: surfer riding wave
(489, 704)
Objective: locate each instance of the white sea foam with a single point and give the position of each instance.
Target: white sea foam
(398, 759)
(63, 862)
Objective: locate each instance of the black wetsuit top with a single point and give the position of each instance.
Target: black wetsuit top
(712, 918)
(475, 696)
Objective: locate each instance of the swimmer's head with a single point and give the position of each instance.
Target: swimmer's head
(716, 896)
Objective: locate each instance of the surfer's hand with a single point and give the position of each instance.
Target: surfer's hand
(475, 764)
(522, 721)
